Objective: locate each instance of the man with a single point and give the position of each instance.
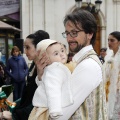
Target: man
(87, 80)
(102, 54)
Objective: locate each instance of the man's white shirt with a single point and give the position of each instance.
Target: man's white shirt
(85, 78)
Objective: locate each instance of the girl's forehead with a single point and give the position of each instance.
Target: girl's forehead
(55, 46)
(59, 45)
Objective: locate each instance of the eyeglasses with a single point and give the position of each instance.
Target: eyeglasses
(72, 33)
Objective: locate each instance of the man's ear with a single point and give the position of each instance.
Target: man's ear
(89, 36)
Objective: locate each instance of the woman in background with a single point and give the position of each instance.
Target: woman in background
(112, 76)
(23, 110)
(25, 106)
(17, 69)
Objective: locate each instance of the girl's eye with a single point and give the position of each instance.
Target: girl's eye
(56, 53)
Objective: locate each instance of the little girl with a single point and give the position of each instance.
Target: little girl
(54, 89)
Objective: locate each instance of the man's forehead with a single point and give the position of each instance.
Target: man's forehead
(71, 25)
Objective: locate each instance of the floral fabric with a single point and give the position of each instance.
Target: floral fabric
(112, 86)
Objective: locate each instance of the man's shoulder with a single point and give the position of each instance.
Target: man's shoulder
(89, 64)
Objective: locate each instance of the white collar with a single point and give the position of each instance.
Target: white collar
(81, 53)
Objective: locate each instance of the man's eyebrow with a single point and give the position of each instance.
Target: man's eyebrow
(73, 30)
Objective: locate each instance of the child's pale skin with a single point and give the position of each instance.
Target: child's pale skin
(54, 53)
(57, 53)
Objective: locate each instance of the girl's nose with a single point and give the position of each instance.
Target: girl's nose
(61, 54)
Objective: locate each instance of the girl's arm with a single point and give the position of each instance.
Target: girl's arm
(53, 80)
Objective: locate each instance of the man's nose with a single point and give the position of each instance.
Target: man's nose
(69, 38)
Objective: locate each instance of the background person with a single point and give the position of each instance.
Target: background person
(17, 69)
(25, 106)
(2, 74)
(102, 54)
(112, 76)
(4, 78)
(23, 111)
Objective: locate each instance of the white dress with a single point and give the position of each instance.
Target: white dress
(112, 85)
(54, 91)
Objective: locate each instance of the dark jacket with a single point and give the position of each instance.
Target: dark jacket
(25, 106)
(30, 87)
(17, 68)
(2, 73)
(101, 59)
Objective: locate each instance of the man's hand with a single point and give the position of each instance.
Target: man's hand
(41, 63)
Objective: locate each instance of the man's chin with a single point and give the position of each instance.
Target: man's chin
(75, 50)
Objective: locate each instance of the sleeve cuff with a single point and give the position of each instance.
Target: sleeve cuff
(56, 115)
(38, 82)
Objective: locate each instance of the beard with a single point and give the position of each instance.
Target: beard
(75, 49)
(78, 47)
